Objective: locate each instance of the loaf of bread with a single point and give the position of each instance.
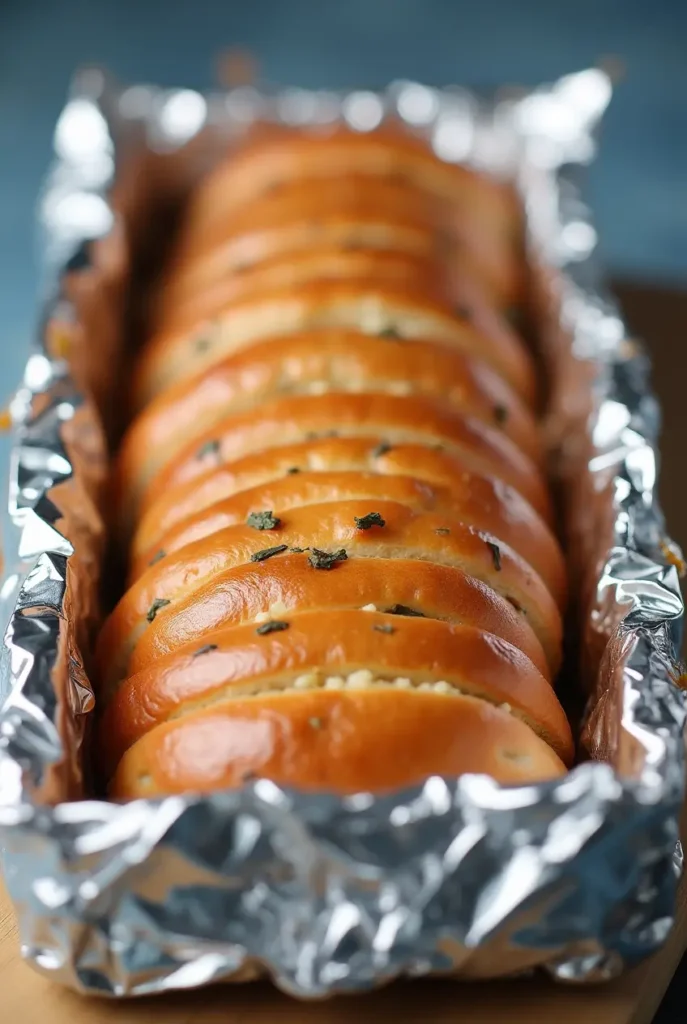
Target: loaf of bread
(343, 571)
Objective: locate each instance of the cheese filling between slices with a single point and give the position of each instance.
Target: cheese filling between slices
(316, 679)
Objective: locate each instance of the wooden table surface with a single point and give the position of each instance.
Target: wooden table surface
(27, 998)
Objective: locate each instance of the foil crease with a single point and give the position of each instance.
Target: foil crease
(325, 894)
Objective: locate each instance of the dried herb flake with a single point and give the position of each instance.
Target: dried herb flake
(442, 530)
(500, 413)
(204, 650)
(261, 556)
(274, 626)
(210, 447)
(403, 609)
(315, 723)
(159, 602)
(326, 559)
(263, 520)
(292, 469)
(495, 554)
(381, 449)
(384, 627)
(390, 332)
(368, 521)
(157, 556)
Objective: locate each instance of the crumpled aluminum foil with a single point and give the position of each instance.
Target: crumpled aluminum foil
(326, 894)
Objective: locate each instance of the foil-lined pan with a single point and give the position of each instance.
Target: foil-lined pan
(326, 894)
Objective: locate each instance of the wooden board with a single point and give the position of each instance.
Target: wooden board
(28, 998)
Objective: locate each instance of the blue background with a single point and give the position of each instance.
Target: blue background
(638, 186)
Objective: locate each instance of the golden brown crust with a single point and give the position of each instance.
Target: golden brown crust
(367, 213)
(393, 200)
(323, 649)
(317, 362)
(353, 194)
(247, 593)
(344, 572)
(248, 252)
(392, 419)
(330, 527)
(457, 280)
(479, 502)
(315, 157)
(324, 740)
(479, 223)
(264, 255)
(318, 305)
(167, 506)
(201, 295)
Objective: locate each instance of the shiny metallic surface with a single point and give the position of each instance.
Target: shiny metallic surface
(320, 893)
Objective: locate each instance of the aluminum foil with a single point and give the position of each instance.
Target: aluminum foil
(326, 894)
